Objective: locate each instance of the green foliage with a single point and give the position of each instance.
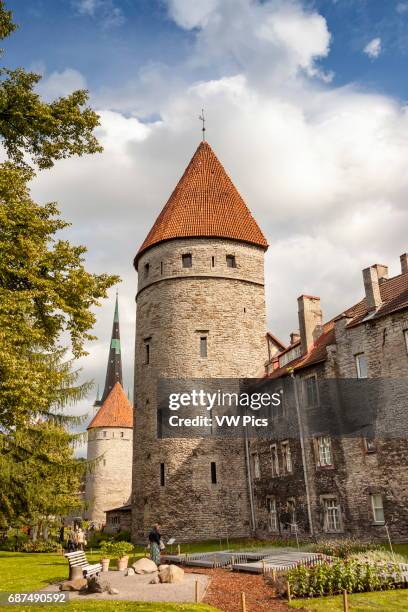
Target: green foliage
(378, 556)
(350, 575)
(46, 131)
(123, 535)
(116, 550)
(342, 548)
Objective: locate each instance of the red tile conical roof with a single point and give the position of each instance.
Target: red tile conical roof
(116, 410)
(205, 203)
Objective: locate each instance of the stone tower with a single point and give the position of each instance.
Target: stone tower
(200, 314)
(110, 440)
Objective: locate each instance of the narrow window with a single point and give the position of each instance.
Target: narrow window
(324, 452)
(146, 269)
(378, 509)
(121, 434)
(187, 260)
(104, 462)
(162, 475)
(256, 465)
(104, 434)
(213, 473)
(361, 365)
(203, 346)
(406, 339)
(159, 422)
(286, 457)
(331, 515)
(147, 353)
(274, 460)
(231, 263)
(272, 514)
(212, 261)
(370, 445)
(291, 506)
(161, 267)
(312, 397)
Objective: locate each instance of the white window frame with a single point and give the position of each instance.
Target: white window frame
(357, 358)
(286, 457)
(324, 451)
(274, 460)
(377, 504)
(256, 466)
(332, 511)
(273, 524)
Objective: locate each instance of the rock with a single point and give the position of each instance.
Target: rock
(130, 572)
(171, 574)
(155, 580)
(97, 585)
(113, 591)
(79, 584)
(144, 566)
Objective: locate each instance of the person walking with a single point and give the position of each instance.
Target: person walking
(71, 540)
(156, 543)
(80, 539)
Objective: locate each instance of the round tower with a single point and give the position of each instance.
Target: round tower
(110, 441)
(200, 314)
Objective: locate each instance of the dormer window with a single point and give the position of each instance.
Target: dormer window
(187, 260)
(231, 263)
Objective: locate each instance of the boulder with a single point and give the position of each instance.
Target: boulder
(155, 580)
(113, 591)
(171, 574)
(79, 584)
(97, 585)
(144, 566)
(130, 571)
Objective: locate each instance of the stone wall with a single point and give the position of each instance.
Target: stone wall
(176, 306)
(108, 484)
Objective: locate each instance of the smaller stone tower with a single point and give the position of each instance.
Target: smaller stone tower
(110, 440)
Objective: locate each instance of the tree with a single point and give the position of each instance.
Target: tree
(46, 300)
(30, 126)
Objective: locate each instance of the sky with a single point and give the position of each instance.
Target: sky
(306, 105)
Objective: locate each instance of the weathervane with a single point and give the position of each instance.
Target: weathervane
(202, 118)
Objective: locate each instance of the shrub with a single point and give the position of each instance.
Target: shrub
(95, 538)
(116, 550)
(342, 548)
(351, 575)
(40, 546)
(378, 556)
(123, 536)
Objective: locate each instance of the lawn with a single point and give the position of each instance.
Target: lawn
(386, 601)
(31, 571)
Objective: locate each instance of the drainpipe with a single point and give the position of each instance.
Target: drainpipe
(302, 446)
(251, 493)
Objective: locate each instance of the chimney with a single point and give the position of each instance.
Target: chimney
(404, 263)
(382, 271)
(310, 320)
(372, 288)
(294, 337)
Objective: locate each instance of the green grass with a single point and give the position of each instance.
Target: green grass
(385, 601)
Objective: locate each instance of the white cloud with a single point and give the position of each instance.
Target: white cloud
(189, 14)
(61, 83)
(323, 169)
(373, 48)
(109, 14)
(402, 8)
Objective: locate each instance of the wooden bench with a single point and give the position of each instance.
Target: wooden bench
(78, 563)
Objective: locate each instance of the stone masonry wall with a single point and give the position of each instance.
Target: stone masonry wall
(175, 307)
(109, 484)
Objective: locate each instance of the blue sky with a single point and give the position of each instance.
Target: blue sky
(111, 42)
(306, 108)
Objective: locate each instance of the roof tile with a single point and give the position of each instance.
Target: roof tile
(116, 410)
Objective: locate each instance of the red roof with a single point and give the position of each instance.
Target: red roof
(394, 294)
(205, 203)
(116, 410)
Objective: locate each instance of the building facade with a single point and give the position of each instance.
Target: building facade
(110, 441)
(325, 485)
(200, 314)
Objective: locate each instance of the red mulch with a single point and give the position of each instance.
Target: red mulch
(225, 588)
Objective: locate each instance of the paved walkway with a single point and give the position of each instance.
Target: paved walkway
(137, 588)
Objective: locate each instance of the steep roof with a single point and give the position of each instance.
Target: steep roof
(114, 367)
(394, 295)
(116, 410)
(205, 203)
